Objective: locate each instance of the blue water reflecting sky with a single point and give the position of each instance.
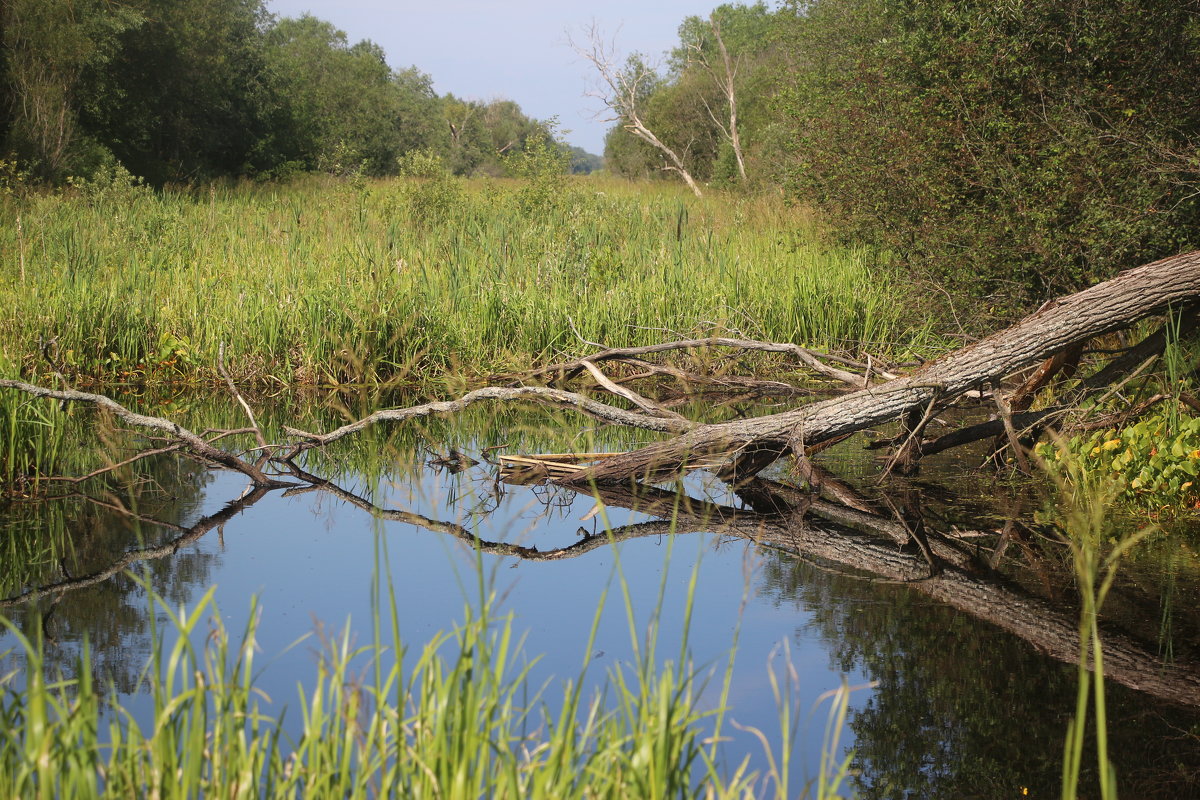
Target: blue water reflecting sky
(311, 559)
(963, 703)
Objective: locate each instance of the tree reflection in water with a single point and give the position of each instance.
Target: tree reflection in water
(85, 543)
(960, 711)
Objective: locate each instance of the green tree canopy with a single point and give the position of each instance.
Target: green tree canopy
(1021, 149)
(186, 90)
(50, 50)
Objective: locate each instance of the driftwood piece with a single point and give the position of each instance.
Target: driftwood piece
(1059, 325)
(644, 403)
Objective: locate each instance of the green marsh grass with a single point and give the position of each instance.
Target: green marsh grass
(326, 282)
(32, 438)
(1085, 498)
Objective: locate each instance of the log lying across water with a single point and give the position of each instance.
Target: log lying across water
(798, 524)
(1058, 326)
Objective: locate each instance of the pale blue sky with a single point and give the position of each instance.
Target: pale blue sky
(516, 50)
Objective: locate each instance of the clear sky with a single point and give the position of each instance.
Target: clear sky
(517, 50)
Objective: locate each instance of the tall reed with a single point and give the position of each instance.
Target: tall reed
(1084, 498)
(33, 434)
(362, 282)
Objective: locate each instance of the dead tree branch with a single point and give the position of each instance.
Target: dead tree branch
(623, 91)
(811, 359)
(193, 443)
(258, 434)
(724, 78)
(748, 445)
(556, 397)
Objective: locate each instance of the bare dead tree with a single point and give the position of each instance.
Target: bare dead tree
(724, 76)
(622, 90)
(458, 115)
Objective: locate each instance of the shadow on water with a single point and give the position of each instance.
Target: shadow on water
(962, 610)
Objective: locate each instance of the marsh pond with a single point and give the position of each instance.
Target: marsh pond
(945, 602)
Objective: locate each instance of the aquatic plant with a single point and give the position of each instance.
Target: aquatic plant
(1153, 462)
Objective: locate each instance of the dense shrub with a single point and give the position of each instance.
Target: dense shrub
(1018, 149)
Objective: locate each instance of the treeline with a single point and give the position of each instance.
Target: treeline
(189, 90)
(1014, 149)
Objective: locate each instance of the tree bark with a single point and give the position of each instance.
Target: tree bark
(1057, 326)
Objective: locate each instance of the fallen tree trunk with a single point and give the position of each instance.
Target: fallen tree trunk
(743, 447)
(1057, 326)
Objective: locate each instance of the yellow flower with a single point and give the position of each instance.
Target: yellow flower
(1112, 444)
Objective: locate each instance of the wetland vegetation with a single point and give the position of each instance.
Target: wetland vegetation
(282, 233)
(403, 281)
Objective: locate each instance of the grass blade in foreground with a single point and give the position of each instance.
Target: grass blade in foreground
(462, 723)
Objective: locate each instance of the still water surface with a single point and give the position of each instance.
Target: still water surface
(966, 699)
